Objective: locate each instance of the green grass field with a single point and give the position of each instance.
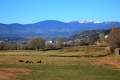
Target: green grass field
(66, 64)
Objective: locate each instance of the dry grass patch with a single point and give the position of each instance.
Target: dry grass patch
(11, 73)
(113, 61)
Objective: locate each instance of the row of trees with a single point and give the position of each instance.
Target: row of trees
(31, 44)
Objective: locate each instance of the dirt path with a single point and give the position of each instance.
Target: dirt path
(11, 73)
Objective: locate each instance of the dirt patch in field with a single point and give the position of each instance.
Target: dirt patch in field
(11, 73)
(115, 63)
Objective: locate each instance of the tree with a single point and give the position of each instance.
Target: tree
(8, 45)
(2, 45)
(114, 38)
(36, 43)
(59, 42)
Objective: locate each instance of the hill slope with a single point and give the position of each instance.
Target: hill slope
(49, 29)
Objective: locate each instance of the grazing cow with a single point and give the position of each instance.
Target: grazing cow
(21, 60)
(28, 61)
(39, 61)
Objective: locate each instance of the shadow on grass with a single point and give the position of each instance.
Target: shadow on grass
(79, 56)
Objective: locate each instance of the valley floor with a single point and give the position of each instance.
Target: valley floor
(76, 63)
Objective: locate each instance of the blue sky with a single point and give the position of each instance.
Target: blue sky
(31, 11)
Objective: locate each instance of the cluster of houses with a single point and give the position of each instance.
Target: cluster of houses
(86, 38)
(111, 40)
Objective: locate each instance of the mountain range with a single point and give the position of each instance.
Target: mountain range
(50, 29)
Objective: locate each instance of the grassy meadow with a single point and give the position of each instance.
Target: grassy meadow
(76, 63)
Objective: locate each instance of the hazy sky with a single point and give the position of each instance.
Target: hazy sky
(30, 11)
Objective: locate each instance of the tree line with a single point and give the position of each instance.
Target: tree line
(31, 44)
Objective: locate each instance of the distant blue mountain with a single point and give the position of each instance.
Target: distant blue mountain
(50, 29)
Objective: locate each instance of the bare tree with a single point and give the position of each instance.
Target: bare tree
(2, 45)
(114, 39)
(36, 43)
(59, 42)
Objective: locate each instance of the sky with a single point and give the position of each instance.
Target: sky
(31, 11)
